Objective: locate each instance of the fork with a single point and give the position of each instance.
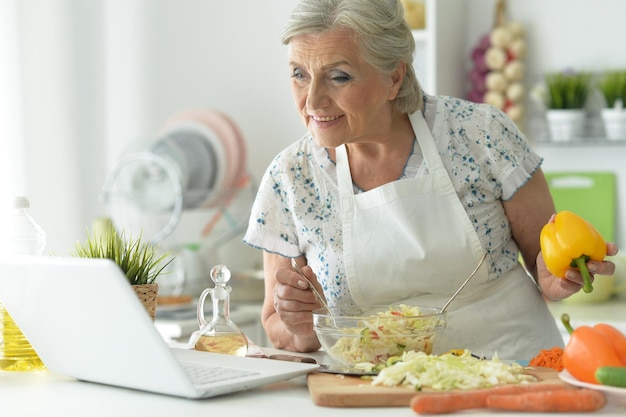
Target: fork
(319, 297)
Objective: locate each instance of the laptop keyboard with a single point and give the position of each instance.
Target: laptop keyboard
(206, 374)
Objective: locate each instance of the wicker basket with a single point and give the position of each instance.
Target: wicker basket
(147, 294)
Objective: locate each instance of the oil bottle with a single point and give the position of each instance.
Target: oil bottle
(25, 237)
(220, 335)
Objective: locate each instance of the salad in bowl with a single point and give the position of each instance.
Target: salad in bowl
(358, 335)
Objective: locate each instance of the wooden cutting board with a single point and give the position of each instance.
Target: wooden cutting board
(332, 390)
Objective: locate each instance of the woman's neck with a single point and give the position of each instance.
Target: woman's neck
(381, 160)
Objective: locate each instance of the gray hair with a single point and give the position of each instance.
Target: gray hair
(380, 32)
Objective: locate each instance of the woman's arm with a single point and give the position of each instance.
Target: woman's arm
(528, 211)
(288, 303)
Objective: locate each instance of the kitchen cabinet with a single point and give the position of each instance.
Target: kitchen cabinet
(440, 56)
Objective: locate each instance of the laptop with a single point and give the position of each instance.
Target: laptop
(84, 320)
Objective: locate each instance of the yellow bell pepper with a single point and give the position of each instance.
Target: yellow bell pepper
(571, 241)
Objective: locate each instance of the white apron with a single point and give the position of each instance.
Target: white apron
(412, 241)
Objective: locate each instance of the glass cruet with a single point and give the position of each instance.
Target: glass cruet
(220, 335)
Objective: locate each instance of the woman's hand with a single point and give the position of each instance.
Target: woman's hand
(556, 288)
(288, 304)
(294, 301)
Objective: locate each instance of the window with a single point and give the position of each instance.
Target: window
(11, 138)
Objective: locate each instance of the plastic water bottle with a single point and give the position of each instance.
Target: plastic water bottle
(25, 237)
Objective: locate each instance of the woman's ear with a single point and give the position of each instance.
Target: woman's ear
(397, 78)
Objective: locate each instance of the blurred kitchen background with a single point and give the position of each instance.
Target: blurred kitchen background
(82, 81)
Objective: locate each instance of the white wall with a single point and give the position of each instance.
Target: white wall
(103, 74)
(99, 75)
(580, 34)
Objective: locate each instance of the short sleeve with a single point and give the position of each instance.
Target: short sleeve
(271, 226)
(513, 159)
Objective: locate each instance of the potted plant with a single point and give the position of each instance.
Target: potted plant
(139, 261)
(565, 99)
(612, 85)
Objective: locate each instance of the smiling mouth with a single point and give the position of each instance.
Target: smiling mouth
(324, 118)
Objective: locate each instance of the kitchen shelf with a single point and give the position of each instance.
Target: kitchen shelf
(420, 35)
(594, 130)
(440, 55)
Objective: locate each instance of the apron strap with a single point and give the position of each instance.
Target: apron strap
(346, 193)
(344, 178)
(426, 142)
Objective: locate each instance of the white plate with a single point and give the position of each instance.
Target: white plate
(616, 394)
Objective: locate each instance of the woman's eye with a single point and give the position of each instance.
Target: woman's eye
(340, 77)
(297, 74)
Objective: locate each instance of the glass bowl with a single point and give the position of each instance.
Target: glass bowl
(372, 334)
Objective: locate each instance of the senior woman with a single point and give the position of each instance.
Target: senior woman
(394, 195)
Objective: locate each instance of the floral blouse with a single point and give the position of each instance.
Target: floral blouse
(296, 211)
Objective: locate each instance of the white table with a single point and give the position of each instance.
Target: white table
(45, 394)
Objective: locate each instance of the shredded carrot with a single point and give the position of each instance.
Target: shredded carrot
(549, 358)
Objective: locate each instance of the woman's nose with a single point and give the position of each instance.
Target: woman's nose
(317, 96)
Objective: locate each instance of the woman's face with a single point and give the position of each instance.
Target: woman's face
(341, 98)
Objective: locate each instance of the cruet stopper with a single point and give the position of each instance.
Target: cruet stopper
(220, 335)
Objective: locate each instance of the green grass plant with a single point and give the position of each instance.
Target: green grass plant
(613, 87)
(139, 260)
(567, 90)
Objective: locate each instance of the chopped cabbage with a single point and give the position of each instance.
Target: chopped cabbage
(387, 334)
(449, 371)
